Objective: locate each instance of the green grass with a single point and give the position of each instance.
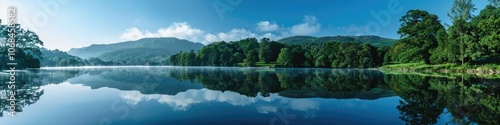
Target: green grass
(443, 75)
(448, 70)
(449, 66)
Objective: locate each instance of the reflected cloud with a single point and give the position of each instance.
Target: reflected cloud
(184, 100)
(266, 109)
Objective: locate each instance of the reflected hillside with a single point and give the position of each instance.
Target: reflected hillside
(295, 83)
(27, 86)
(423, 99)
(144, 80)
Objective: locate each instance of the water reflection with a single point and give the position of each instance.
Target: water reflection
(423, 99)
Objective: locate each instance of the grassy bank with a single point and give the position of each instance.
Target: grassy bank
(449, 67)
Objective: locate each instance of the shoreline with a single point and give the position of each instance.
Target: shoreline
(485, 69)
(479, 70)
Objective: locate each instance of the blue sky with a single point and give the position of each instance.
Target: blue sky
(65, 24)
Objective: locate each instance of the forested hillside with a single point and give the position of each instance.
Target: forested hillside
(249, 51)
(169, 44)
(372, 40)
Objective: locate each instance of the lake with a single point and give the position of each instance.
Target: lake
(246, 96)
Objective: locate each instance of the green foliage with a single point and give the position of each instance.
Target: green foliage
(27, 47)
(218, 54)
(292, 56)
(446, 50)
(488, 30)
(169, 45)
(252, 58)
(304, 40)
(329, 54)
(285, 57)
(137, 56)
(418, 30)
(495, 3)
(56, 57)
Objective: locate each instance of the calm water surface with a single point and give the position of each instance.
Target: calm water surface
(245, 96)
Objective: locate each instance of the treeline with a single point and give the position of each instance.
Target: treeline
(137, 56)
(423, 99)
(249, 51)
(60, 58)
(26, 49)
(470, 39)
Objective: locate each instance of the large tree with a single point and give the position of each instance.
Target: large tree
(27, 47)
(488, 30)
(285, 57)
(461, 13)
(269, 50)
(419, 30)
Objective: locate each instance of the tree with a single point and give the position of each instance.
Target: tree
(446, 50)
(419, 29)
(298, 57)
(175, 59)
(382, 58)
(269, 50)
(495, 3)
(264, 50)
(27, 47)
(252, 58)
(368, 56)
(285, 57)
(488, 25)
(461, 12)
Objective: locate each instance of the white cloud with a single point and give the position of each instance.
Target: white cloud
(357, 30)
(181, 30)
(233, 35)
(267, 109)
(184, 100)
(308, 26)
(132, 34)
(266, 26)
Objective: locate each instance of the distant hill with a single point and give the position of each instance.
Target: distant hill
(54, 57)
(168, 45)
(373, 40)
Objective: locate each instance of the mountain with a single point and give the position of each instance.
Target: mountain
(138, 56)
(168, 45)
(373, 40)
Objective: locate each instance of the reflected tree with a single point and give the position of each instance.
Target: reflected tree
(27, 92)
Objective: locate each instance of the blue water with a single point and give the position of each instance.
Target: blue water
(186, 95)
